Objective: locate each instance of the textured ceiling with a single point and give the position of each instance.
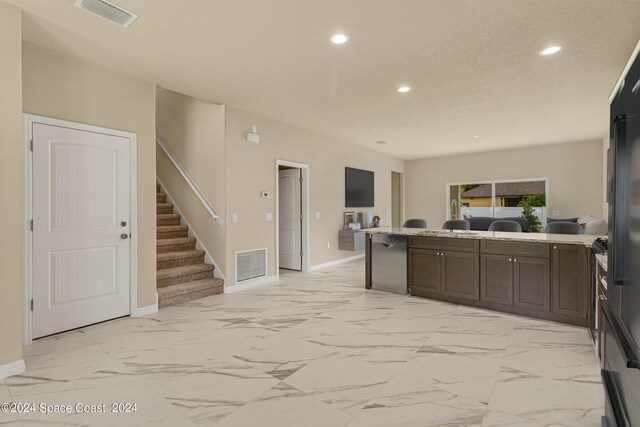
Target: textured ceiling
(473, 64)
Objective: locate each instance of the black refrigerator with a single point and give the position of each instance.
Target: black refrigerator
(620, 306)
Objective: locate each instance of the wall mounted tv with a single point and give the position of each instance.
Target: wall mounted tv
(358, 188)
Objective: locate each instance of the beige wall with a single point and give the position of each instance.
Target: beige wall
(251, 169)
(11, 185)
(574, 171)
(62, 87)
(194, 131)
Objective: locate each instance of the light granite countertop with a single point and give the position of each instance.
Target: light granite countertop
(580, 239)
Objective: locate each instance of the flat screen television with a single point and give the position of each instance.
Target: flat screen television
(359, 188)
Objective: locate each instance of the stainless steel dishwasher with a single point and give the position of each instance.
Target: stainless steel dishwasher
(389, 263)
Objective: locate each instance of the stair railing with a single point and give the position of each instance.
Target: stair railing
(194, 187)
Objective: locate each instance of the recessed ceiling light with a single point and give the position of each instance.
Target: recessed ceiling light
(404, 89)
(476, 136)
(339, 39)
(550, 50)
(382, 141)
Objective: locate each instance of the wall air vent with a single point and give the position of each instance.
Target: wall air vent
(251, 264)
(108, 11)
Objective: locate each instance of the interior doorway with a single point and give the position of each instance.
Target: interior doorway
(291, 217)
(397, 211)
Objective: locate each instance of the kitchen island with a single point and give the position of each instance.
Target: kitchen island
(545, 276)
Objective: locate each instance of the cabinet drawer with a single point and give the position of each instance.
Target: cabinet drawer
(444, 243)
(502, 247)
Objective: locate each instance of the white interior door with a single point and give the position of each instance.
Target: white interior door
(290, 218)
(81, 208)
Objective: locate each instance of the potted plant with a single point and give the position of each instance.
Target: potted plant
(527, 205)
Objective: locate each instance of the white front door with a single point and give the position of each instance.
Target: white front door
(81, 209)
(290, 218)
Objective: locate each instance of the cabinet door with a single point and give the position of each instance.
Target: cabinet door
(569, 280)
(496, 279)
(460, 275)
(424, 271)
(531, 283)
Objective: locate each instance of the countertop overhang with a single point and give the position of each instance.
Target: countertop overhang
(570, 239)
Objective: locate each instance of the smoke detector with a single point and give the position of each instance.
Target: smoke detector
(108, 11)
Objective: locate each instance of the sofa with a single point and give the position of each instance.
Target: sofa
(591, 224)
(482, 223)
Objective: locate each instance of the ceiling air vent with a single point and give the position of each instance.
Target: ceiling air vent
(108, 11)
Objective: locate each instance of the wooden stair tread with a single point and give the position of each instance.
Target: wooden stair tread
(183, 271)
(175, 241)
(167, 256)
(184, 288)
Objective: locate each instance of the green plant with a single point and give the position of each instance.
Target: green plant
(536, 200)
(532, 219)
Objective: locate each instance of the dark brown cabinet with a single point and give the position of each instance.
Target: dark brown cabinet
(496, 279)
(460, 274)
(569, 280)
(535, 279)
(531, 284)
(519, 281)
(433, 273)
(424, 272)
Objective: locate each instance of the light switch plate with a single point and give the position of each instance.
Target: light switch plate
(317, 215)
(268, 216)
(234, 217)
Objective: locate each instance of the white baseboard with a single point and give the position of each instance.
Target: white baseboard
(143, 311)
(249, 284)
(335, 262)
(13, 368)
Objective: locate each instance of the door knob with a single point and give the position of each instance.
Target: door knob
(124, 236)
(515, 260)
(123, 224)
(510, 259)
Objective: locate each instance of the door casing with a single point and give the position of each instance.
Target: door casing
(29, 120)
(305, 214)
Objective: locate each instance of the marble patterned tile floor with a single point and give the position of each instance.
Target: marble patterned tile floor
(315, 349)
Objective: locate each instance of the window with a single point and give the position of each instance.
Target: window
(497, 199)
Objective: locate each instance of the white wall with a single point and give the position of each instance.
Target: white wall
(574, 171)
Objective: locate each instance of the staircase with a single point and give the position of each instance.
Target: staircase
(182, 274)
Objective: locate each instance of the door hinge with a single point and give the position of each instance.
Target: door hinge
(301, 179)
(301, 253)
(301, 216)
(32, 305)
(31, 225)
(31, 145)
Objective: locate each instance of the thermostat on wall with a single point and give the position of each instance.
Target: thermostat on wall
(264, 194)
